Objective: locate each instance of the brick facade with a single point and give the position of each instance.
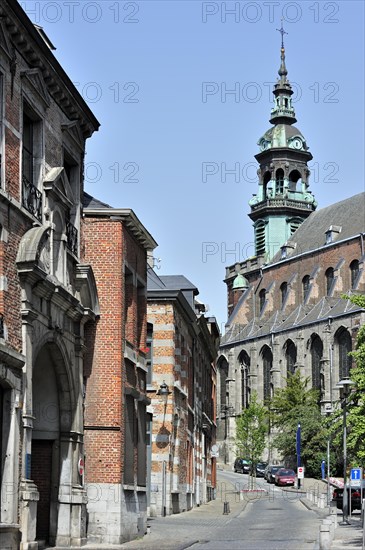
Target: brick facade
(46, 294)
(116, 245)
(183, 429)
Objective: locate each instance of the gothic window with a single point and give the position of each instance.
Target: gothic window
(330, 275)
(262, 299)
(223, 375)
(279, 182)
(267, 366)
(244, 360)
(316, 356)
(291, 357)
(354, 270)
(283, 292)
(260, 238)
(305, 287)
(343, 340)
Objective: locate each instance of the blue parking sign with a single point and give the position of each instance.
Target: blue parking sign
(355, 474)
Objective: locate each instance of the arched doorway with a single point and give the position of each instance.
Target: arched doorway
(52, 416)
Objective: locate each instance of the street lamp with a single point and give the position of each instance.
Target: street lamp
(344, 386)
(226, 421)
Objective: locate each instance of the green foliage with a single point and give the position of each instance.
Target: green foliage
(251, 429)
(293, 404)
(356, 406)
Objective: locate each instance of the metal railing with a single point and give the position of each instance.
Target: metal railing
(31, 198)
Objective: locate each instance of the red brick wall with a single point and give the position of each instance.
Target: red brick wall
(110, 249)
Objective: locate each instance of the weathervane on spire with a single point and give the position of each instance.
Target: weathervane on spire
(282, 32)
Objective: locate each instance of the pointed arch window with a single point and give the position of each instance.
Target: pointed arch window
(344, 343)
(223, 375)
(267, 366)
(262, 299)
(305, 287)
(354, 270)
(245, 361)
(316, 356)
(279, 182)
(291, 357)
(283, 292)
(330, 276)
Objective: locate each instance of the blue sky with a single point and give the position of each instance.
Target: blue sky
(157, 75)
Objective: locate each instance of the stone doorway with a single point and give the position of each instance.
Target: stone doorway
(42, 477)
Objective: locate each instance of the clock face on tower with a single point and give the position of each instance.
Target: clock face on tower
(264, 144)
(297, 143)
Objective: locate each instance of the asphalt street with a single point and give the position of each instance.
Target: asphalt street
(266, 518)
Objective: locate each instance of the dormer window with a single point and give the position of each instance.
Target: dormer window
(332, 233)
(286, 249)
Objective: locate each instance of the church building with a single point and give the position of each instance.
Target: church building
(286, 309)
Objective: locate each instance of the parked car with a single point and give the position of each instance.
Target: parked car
(284, 476)
(259, 469)
(242, 465)
(270, 477)
(355, 496)
(266, 472)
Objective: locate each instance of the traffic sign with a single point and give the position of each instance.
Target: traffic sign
(80, 466)
(356, 475)
(300, 472)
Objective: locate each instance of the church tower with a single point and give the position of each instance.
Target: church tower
(283, 201)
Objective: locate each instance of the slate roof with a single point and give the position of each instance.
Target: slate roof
(172, 283)
(301, 316)
(349, 214)
(92, 202)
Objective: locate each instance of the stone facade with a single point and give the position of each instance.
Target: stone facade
(116, 245)
(47, 292)
(301, 321)
(182, 361)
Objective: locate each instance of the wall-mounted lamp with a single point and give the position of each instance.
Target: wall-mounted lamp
(163, 391)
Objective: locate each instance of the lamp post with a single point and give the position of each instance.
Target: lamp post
(164, 393)
(344, 386)
(226, 418)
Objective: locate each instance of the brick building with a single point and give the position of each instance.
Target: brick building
(285, 304)
(47, 292)
(115, 375)
(182, 386)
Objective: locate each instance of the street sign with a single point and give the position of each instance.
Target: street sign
(300, 472)
(355, 475)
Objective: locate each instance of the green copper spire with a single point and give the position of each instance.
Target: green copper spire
(283, 111)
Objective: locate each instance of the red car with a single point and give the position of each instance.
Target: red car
(285, 477)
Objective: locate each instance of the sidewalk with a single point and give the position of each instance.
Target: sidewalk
(348, 537)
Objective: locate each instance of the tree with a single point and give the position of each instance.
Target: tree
(251, 430)
(293, 404)
(356, 407)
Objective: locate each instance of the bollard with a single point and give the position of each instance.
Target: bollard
(226, 509)
(325, 538)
